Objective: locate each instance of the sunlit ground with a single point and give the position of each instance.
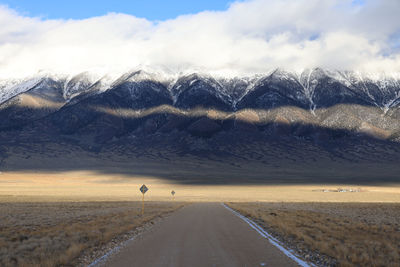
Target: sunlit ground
(81, 186)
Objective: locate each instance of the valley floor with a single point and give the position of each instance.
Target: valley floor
(49, 218)
(93, 186)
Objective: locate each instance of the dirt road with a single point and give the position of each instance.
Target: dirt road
(205, 234)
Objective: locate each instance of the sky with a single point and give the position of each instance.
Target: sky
(82, 9)
(218, 37)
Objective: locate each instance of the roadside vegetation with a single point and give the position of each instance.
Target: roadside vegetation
(58, 233)
(333, 234)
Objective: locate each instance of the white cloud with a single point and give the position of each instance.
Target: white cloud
(250, 37)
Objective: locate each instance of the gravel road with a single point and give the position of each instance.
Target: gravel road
(203, 234)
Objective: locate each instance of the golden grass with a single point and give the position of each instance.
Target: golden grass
(56, 234)
(345, 234)
(91, 186)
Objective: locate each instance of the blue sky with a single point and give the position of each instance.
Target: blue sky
(75, 9)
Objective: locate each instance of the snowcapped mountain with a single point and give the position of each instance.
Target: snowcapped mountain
(316, 124)
(311, 88)
(203, 105)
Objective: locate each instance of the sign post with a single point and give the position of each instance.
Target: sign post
(143, 189)
(173, 194)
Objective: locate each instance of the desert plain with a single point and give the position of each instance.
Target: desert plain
(70, 218)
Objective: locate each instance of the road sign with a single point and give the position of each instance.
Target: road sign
(143, 189)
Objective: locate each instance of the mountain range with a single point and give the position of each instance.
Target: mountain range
(342, 116)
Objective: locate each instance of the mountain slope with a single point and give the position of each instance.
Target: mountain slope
(140, 103)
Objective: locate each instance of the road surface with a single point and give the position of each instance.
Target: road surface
(204, 234)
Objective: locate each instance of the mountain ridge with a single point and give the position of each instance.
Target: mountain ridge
(314, 98)
(306, 79)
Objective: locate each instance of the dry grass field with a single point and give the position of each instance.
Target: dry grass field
(50, 218)
(92, 186)
(57, 233)
(333, 234)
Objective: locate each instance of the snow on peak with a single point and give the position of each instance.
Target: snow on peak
(380, 89)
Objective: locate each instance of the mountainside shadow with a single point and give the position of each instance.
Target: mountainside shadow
(200, 150)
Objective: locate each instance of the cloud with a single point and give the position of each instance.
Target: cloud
(249, 37)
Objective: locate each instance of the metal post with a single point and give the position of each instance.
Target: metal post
(142, 204)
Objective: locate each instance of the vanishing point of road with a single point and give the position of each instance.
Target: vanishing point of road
(204, 234)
